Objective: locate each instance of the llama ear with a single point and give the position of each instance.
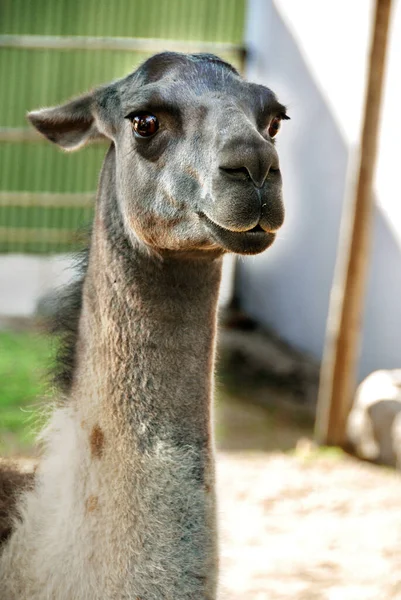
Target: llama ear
(69, 125)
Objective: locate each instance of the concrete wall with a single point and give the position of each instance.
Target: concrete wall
(313, 55)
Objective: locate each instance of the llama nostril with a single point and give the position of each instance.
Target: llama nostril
(240, 174)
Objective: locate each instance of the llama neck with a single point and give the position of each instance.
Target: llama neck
(142, 396)
(146, 342)
(144, 384)
(146, 346)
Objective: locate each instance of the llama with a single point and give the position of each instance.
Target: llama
(123, 503)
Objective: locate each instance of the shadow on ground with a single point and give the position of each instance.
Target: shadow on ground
(247, 426)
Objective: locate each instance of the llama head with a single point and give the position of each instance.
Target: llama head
(196, 165)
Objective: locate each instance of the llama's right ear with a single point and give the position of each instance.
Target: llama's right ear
(69, 125)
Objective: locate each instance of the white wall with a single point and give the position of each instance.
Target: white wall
(25, 279)
(313, 54)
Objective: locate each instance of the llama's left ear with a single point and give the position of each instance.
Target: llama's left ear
(69, 125)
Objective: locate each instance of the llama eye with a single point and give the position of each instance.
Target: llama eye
(144, 125)
(274, 126)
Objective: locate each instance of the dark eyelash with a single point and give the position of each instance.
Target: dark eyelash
(156, 109)
(134, 113)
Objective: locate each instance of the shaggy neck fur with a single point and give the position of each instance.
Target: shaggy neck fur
(124, 503)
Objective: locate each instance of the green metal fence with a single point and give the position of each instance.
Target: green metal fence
(51, 50)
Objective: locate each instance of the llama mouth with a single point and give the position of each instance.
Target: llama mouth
(256, 229)
(253, 241)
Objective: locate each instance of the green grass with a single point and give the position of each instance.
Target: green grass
(24, 361)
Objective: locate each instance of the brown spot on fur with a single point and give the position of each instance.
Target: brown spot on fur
(14, 480)
(192, 173)
(92, 503)
(207, 488)
(96, 440)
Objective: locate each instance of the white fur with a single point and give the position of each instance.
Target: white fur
(60, 551)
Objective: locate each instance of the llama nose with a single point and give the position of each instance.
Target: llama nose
(248, 163)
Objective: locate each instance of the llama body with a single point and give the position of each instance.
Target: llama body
(124, 502)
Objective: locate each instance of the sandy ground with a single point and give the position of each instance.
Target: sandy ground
(308, 526)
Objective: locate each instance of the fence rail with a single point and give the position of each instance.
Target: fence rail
(47, 199)
(47, 235)
(59, 42)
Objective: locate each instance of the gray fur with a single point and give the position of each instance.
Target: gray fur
(130, 459)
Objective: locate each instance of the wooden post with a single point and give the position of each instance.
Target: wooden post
(340, 361)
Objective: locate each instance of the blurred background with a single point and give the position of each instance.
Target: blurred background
(314, 56)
